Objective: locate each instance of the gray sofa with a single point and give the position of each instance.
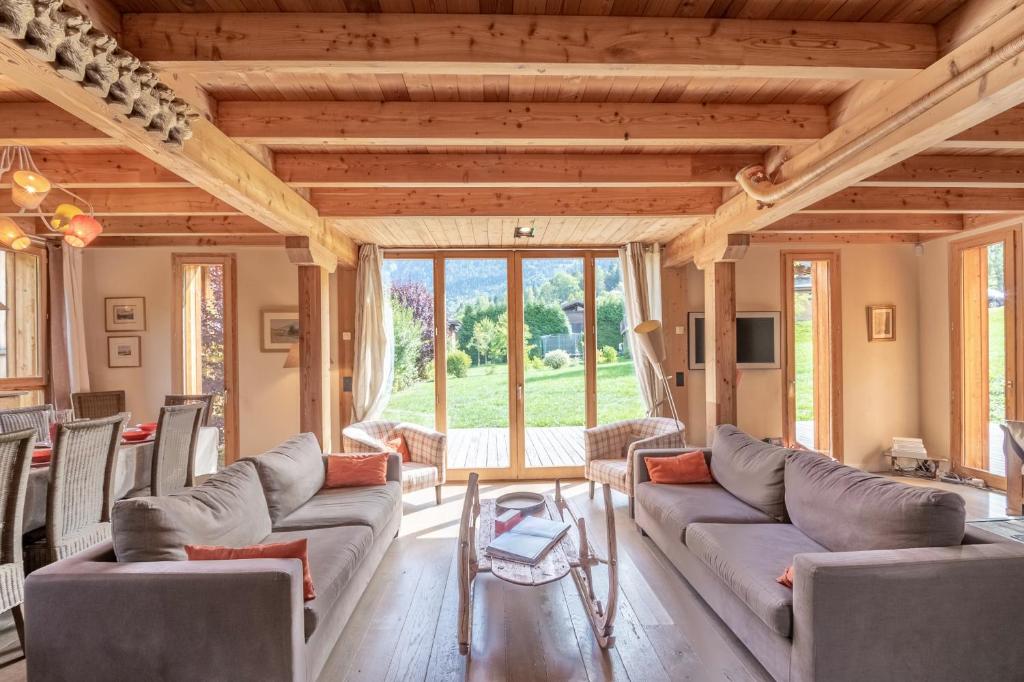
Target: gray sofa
(134, 609)
(887, 584)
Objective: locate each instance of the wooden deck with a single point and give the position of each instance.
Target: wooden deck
(555, 446)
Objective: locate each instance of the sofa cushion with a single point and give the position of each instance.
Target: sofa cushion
(291, 473)
(373, 506)
(334, 556)
(748, 559)
(846, 509)
(675, 507)
(228, 509)
(750, 469)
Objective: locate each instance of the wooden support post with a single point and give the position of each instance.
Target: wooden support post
(346, 352)
(673, 317)
(314, 354)
(720, 344)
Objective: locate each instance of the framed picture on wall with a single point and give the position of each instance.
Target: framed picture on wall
(124, 351)
(280, 330)
(881, 323)
(127, 314)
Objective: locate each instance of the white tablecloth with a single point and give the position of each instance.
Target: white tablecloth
(132, 473)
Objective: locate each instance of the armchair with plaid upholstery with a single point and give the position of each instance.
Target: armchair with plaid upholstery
(609, 449)
(427, 449)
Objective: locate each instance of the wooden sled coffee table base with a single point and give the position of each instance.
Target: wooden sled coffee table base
(571, 556)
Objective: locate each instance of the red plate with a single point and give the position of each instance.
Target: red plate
(148, 427)
(134, 436)
(42, 456)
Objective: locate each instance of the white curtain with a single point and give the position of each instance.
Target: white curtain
(641, 282)
(374, 350)
(74, 320)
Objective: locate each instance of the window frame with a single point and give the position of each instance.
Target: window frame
(39, 381)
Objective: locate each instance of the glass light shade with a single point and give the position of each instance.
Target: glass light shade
(62, 217)
(28, 189)
(82, 230)
(649, 336)
(13, 236)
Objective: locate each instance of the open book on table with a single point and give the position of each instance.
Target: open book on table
(528, 541)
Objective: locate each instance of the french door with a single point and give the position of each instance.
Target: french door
(812, 413)
(985, 350)
(204, 349)
(511, 353)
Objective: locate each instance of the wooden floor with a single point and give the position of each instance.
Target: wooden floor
(404, 626)
(554, 446)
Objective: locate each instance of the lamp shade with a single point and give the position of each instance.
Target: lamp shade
(292, 359)
(63, 215)
(28, 189)
(82, 230)
(651, 341)
(13, 236)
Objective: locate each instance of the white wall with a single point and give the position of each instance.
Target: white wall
(880, 380)
(268, 393)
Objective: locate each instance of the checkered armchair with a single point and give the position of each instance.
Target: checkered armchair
(609, 449)
(427, 449)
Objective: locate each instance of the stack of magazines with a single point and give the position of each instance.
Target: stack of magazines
(528, 541)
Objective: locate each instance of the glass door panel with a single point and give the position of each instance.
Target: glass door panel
(554, 368)
(618, 395)
(410, 286)
(477, 358)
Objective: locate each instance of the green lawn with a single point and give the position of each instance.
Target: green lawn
(803, 348)
(553, 397)
(996, 364)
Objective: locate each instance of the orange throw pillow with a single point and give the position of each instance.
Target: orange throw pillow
(689, 467)
(398, 444)
(787, 577)
(297, 549)
(350, 471)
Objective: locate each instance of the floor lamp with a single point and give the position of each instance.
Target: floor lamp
(651, 340)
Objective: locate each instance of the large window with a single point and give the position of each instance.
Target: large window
(410, 286)
(23, 318)
(618, 396)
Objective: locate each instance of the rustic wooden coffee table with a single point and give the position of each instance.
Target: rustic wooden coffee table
(566, 558)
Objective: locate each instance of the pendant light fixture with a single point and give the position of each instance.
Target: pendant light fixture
(29, 188)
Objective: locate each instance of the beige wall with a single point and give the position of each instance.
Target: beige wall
(268, 393)
(880, 380)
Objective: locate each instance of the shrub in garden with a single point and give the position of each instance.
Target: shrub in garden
(469, 315)
(557, 359)
(607, 354)
(408, 336)
(458, 363)
(611, 311)
(544, 319)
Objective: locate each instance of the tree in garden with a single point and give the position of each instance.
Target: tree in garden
(611, 311)
(211, 330)
(408, 335)
(544, 318)
(469, 315)
(563, 287)
(420, 300)
(485, 333)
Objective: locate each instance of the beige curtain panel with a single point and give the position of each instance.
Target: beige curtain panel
(373, 370)
(641, 282)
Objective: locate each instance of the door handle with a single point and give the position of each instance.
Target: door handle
(519, 392)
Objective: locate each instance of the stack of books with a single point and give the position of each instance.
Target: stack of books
(528, 541)
(909, 448)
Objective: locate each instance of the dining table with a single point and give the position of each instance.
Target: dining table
(132, 473)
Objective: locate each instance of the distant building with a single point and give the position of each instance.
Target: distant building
(574, 311)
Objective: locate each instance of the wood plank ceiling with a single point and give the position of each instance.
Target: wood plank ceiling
(588, 119)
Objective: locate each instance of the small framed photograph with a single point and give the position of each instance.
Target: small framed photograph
(280, 330)
(124, 351)
(126, 314)
(881, 323)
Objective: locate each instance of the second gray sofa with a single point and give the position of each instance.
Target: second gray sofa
(136, 609)
(887, 584)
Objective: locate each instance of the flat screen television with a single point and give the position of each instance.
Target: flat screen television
(758, 340)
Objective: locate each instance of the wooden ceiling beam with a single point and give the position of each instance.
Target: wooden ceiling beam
(951, 171)
(1002, 131)
(920, 200)
(197, 225)
(186, 241)
(522, 124)
(872, 223)
(209, 160)
(765, 237)
(993, 221)
(87, 169)
(379, 202)
(139, 202)
(1001, 88)
(510, 45)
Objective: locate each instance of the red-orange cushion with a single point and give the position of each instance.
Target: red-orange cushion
(786, 578)
(689, 467)
(349, 471)
(297, 549)
(398, 444)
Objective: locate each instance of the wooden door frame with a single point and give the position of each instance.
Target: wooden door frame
(232, 414)
(39, 382)
(835, 358)
(1012, 237)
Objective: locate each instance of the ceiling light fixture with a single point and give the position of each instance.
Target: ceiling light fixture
(29, 188)
(524, 232)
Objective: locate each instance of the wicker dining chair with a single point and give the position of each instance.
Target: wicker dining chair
(206, 399)
(15, 463)
(38, 418)
(174, 452)
(80, 491)
(98, 404)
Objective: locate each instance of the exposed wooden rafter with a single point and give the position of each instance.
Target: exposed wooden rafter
(874, 223)
(484, 44)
